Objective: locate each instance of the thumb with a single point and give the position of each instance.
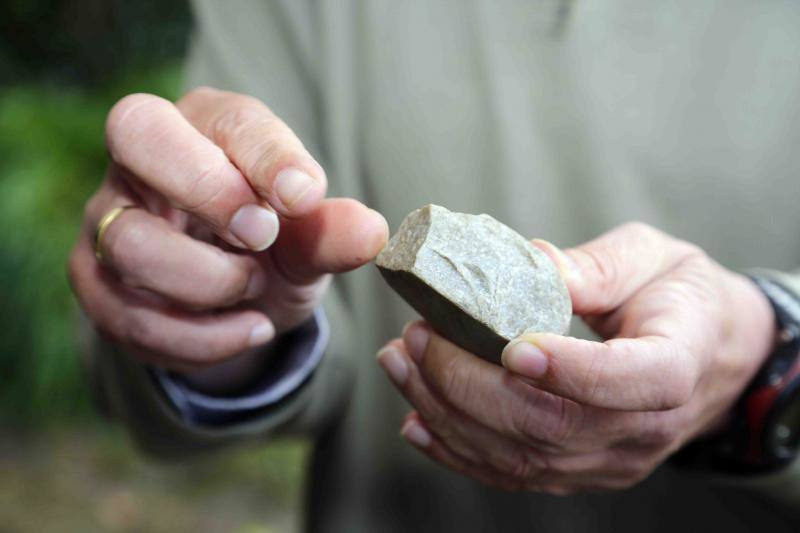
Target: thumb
(604, 273)
(340, 235)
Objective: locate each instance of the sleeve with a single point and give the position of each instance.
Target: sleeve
(297, 355)
(130, 392)
(790, 280)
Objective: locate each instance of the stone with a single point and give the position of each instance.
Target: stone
(476, 281)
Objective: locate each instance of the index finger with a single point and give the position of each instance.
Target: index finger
(149, 138)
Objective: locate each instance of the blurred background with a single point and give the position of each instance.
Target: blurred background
(63, 468)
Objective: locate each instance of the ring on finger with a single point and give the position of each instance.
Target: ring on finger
(103, 226)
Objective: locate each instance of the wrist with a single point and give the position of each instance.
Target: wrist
(762, 331)
(746, 341)
(762, 433)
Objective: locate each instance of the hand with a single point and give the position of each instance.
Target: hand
(565, 415)
(199, 274)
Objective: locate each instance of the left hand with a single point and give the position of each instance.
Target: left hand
(565, 415)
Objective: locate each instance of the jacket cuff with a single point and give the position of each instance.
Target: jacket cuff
(301, 352)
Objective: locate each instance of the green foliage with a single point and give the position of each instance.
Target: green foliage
(52, 157)
(86, 42)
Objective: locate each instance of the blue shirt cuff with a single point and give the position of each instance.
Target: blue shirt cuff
(300, 353)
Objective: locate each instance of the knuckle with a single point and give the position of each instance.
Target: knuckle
(126, 245)
(253, 103)
(617, 426)
(563, 425)
(276, 150)
(672, 398)
(593, 379)
(554, 429)
(524, 423)
(656, 434)
(566, 465)
(300, 298)
(683, 393)
(270, 152)
(560, 430)
(639, 229)
(436, 417)
(695, 253)
(232, 124)
(685, 373)
(643, 232)
(200, 92)
(219, 291)
(455, 380)
(230, 284)
(607, 268)
(207, 183)
(273, 145)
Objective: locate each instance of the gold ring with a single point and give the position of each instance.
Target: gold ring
(103, 225)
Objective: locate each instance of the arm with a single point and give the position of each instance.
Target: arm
(195, 275)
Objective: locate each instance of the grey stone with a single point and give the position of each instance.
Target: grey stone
(476, 281)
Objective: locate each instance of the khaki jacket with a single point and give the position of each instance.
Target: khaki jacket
(561, 119)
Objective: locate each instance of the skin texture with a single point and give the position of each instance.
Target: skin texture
(564, 415)
(234, 243)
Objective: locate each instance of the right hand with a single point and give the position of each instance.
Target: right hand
(196, 276)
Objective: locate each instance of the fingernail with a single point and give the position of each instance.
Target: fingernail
(525, 359)
(291, 185)
(255, 226)
(255, 285)
(416, 337)
(261, 334)
(385, 224)
(417, 435)
(395, 366)
(565, 264)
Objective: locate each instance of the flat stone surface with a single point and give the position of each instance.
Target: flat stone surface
(478, 282)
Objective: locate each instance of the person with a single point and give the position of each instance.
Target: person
(206, 258)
